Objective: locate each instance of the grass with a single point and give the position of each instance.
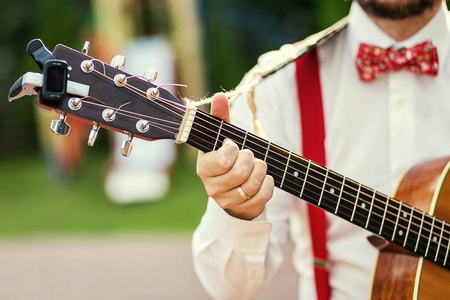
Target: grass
(31, 205)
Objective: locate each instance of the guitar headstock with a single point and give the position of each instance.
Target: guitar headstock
(115, 100)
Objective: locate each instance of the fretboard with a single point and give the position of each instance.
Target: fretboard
(365, 207)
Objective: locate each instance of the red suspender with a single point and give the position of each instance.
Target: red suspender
(313, 137)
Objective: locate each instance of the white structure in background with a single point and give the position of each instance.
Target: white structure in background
(145, 174)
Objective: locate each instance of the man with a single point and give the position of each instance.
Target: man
(375, 128)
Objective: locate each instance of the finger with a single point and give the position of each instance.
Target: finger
(252, 185)
(220, 107)
(224, 185)
(218, 162)
(253, 207)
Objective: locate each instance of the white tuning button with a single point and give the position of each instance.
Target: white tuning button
(150, 74)
(127, 146)
(93, 134)
(60, 127)
(118, 61)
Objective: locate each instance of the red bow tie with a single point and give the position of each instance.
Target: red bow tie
(373, 62)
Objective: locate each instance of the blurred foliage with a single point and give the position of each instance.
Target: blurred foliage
(238, 31)
(54, 22)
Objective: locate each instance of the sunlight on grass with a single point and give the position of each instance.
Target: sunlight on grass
(31, 204)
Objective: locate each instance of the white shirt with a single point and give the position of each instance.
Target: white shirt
(374, 132)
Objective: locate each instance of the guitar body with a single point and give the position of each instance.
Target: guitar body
(401, 274)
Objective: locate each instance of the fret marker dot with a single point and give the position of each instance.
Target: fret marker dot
(435, 238)
(332, 190)
(400, 232)
(405, 215)
(363, 205)
(296, 174)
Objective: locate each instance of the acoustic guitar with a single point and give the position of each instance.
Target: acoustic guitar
(411, 228)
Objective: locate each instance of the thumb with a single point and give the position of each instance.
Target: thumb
(220, 107)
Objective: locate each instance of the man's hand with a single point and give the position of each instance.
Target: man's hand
(229, 169)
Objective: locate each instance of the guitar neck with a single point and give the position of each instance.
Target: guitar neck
(365, 207)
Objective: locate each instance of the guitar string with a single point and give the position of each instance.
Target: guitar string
(132, 115)
(182, 108)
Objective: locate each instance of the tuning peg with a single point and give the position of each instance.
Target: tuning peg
(93, 134)
(150, 74)
(60, 127)
(118, 61)
(127, 146)
(86, 46)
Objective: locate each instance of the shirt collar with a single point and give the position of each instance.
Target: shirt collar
(362, 30)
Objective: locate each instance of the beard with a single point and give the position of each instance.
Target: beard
(396, 10)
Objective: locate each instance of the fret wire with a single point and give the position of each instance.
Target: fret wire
(429, 238)
(384, 215)
(340, 195)
(446, 253)
(304, 181)
(323, 188)
(267, 152)
(218, 134)
(409, 226)
(285, 170)
(356, 203)
(370, 210)
(420, 231)
(245, 138)
(440, 241)
(396, 222)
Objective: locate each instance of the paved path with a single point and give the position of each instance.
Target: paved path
(113, 268)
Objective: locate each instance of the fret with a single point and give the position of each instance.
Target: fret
(304, 180)
(218, 134)
(314, 187)
(446, 252)
(356, 203)
(245, 139)
(362, 205)
(384, 215)
(420, 232)
(409, 226)
(276, 163)
(256, 144)
(430, 236)
(295, 170)
(396, 222)
(323, 188)
(285, 170)
(440, 241)
(267, 152)
(370, 210)
(340, 196)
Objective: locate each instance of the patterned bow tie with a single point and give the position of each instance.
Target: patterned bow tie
(373, 62)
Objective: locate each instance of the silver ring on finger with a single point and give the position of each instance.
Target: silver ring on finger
(243, 194)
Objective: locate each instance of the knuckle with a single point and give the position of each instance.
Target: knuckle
(225, 204)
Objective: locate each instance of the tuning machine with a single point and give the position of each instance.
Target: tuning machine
(60, 127)
(118, 62)
(150, 74)
(93, 134)
(127, 145)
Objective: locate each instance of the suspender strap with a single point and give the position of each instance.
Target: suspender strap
(313, 138)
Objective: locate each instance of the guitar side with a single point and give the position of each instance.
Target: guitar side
(401, 274)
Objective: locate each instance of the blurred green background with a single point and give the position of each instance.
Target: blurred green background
(233, 33)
